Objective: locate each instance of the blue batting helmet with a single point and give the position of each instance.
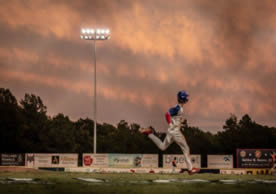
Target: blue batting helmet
(182, 96)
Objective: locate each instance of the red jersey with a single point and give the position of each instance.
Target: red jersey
(174, 163)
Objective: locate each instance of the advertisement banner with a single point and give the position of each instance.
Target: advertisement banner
(124, 160)
(254, 158)
(150, 160)
(120, 160)
(220, 161)
(68, 160)
(55, 160)
(95, 160)
(233, 171)
(12, 159)
(42, 160)
(180, 161)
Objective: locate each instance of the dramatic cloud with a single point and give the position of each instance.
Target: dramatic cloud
(220, 51)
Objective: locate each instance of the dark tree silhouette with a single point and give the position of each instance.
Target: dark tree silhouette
(25, 127)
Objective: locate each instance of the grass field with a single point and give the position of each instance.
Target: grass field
(61, 182)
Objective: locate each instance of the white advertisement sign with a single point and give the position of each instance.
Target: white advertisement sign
(42, 160)
(95, 160)
(220, 161)
(150, 161)
(120, 160)
(55, 160)
(68, 160)
(125, 160)
(180, 161)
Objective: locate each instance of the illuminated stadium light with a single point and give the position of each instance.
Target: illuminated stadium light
(95, 34)
(92, 34)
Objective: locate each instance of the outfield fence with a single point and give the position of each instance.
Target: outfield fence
(248, 161)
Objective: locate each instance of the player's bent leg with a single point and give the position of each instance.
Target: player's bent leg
(161, 145)
(146, 131)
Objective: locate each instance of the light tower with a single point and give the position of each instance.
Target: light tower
(95, 34)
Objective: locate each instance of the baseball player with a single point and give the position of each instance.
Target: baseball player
(174, 166)
(272, 154)
(174, 118)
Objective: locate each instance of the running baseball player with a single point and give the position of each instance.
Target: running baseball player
(174, 166)
(174, 118)
(273, 162)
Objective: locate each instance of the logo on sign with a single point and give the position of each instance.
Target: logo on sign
(258, 154)
(30, 158)
(121, 160)
(137, 161)
(226, 158)
(55, 159)
(19, 158)
(87, 160)
(243, 154)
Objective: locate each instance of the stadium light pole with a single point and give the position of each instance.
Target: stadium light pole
(94, 35)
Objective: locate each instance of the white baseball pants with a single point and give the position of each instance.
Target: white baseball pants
(174, 135)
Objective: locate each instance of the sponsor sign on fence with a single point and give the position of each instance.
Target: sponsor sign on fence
(233, 171)
(51, 160)
(95, 160)
(220, 161)
(150, 161)
(254, 158)
(125, 160)
(12, 159)
(180, 161)
(120, 160)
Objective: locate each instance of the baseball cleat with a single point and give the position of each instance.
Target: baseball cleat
(193, 171)
(145, 131)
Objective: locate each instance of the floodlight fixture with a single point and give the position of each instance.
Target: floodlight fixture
(92, 34)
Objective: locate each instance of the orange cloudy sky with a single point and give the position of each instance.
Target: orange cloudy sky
(222, 52)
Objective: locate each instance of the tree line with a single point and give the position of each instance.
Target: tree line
(25, 127)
